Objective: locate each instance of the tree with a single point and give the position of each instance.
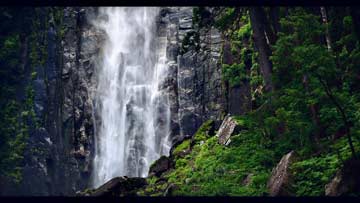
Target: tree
(325, 22)
(257, 24)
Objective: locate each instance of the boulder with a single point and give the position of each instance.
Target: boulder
(346, 180)
(247, 179)
(170, 190)
(119, 186)
(280, 179)
(160, 166)
(227, 128)
(178, 141)
(336, 187)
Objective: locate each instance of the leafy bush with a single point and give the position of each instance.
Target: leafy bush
(213, 169)
(202, 133)
(227, 17)
(312, 174)
(234, 73)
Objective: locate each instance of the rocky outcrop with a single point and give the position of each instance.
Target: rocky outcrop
(346, 180)
(160, 166)
(119, 186)
(80, 46)
(238, 96)
(280, 179)
(57, 157)
(193, 58)
(227, 128)
(337, 186)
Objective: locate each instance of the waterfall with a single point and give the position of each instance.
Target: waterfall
(133, 109)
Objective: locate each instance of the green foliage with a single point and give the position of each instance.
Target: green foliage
(227, 17)
(58, 15)
(16, 119)
(213, 169)
(9, 52)
(312, 72)
(347, 21)
(14, 134)
(312, 85)
(38, 41)
(203, 132)
(311, 175)
(244, 32)
(234, 73)
(185, 145)
(242, 70)
(17, 115)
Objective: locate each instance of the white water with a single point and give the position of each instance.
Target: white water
(134, 112)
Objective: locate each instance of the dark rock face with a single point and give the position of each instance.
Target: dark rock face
(239, 99)
(280, 179)
(160, 166)
(70, 121)
(195, 88)
(239, 96)
(119, 186)
(80, 46)
(58, 153)
(346, 180)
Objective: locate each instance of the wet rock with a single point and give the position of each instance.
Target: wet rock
(280, 179)
(185, 23)
(119, 186)
(81, 153)
(159, 166)
(227, 128)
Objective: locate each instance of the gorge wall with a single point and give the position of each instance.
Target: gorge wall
(60, 150)
(58, 154)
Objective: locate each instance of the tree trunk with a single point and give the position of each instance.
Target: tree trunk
(325, 21)
(355, 14)
(341, 111)
(257, 25)
(314, 114)
(270, 34)
(328, 91)
(275, 19)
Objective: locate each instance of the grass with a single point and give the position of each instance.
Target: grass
(211, 169)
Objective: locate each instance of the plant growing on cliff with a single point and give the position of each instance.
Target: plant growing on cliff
(226, 18)
(191, 39)
(234, 73)
(17, 115)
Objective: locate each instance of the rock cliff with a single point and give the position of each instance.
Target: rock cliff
(59, 152)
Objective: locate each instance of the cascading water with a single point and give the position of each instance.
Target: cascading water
(134, 112)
